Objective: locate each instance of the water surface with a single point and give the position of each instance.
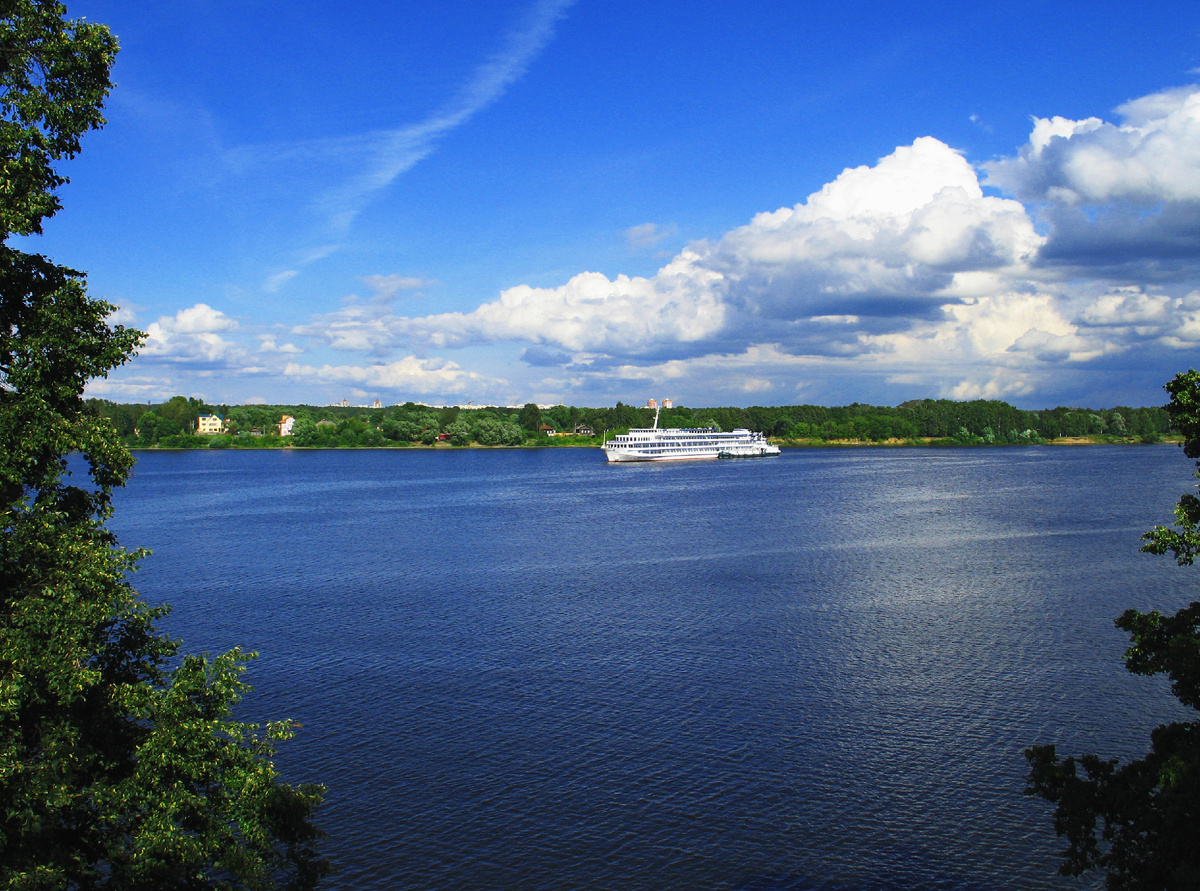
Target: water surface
(533, 669)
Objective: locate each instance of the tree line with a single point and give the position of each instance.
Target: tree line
(172, 424)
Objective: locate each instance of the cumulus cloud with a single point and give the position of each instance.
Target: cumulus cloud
(897, 241)
(1153, 155)
(267, 344)
(542, 358)
(1134, 317)
(123, 314)
(357, 327)
(1121, 201)
(907, 270)
(681, 304)
(197, 319)
(877, 241)
(192, 336)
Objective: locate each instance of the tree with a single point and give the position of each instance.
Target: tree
(530, 417)
(183, 409)
(121, 765)
(1184, 411)
(459, 433)
(1140, 822)
(304, 432)
(495, 432)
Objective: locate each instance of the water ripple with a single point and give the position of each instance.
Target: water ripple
(534, 670)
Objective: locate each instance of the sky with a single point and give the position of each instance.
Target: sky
(588, 202)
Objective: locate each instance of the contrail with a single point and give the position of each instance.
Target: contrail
(394, 152)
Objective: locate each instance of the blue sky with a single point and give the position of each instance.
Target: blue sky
(588, 201)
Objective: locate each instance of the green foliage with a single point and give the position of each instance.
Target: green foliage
(183, 410)
(494, 432)
(53, 83)
(1184, 410)
(371, 438)
(530, 417)
(459, 433)
(121, 766)
(1140, 822)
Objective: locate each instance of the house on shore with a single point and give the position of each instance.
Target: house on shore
(286, 424)
(210, 425)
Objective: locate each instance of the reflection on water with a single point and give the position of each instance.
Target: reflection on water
(534, 669)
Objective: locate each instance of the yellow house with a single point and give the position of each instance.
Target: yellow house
(285, 426)
(210, 424)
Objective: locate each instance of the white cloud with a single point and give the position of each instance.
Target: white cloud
(914, 229)
(647, 235)
(267, 344)
(197, 319)
(681, 304)
(388, 287)
(123, 314)
(904, 228)
(409, 375)
(998, 385)
(278, 280)
(989, 348)
(358, 327)
(192, 335)
(1135, 317)
(1152, 156)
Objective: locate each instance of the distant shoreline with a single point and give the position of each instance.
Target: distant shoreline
(924, 443)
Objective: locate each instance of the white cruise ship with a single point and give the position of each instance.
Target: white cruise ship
(682, 443)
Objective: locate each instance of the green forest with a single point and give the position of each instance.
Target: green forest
(173, 424)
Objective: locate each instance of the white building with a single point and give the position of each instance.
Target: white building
(210, 424)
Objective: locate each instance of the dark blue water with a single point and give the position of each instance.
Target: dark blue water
(532, 669)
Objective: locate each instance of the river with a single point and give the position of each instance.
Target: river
(531, 669)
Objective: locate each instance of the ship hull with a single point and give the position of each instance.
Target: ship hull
(614, 456)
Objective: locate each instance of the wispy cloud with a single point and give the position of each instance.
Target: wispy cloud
(388, 287)
(354, 168)
(393, 152)
(648, 235)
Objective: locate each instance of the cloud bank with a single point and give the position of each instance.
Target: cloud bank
(1073, 266)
